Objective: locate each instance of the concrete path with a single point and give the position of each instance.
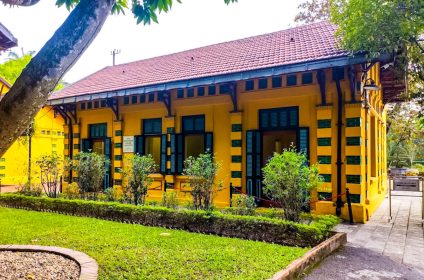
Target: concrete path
(382, 248)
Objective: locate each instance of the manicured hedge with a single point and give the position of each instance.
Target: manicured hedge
(246, 227)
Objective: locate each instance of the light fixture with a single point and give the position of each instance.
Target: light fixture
(370, 85)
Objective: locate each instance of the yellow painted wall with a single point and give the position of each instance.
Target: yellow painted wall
(48, 138)
(219, 119)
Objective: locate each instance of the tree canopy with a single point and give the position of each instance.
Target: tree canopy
(40, 77)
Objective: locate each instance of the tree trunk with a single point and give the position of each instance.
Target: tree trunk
(33, 87)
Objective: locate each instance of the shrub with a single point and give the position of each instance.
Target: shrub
(137, 173)
(50, 171)
(420, 168)
(170, 200)
(288, 180)
(212, 222)
(243, 205)
(117, 193)
(71, 191)
(201, 172)
(91, 169)
(30, 189)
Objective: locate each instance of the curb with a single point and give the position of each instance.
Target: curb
(88, 266)
(312, 257)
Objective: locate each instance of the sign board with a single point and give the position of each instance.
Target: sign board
(128, 144)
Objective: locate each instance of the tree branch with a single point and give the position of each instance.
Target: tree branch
(31, 90)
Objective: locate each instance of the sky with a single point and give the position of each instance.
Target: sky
(192, 24)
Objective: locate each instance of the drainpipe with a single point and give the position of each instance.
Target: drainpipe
(339, 203)
(71, 146)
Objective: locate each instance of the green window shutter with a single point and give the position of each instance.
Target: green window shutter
(324, 141)
(118, 158)
(353, 141)
(324, 123)
(326, 178)
(303, 141)
(86, 145)
(236, 127)
(180, 153)
(353, 179)
(118, 133)
(108, 154)
(173, 153)
(236, 159)
(353, 122)
(108, 148)
(324, 159)
(235, 143)
(118, 145)
(353, 160)
(163, 148)
(324, 196)
(355, 198)
(139, 145)
(236, 174)
(249, 152)
(209, 142)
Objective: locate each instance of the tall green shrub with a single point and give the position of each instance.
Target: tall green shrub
(91, 169)
(201, 172)
(137, 173)
(288, 179)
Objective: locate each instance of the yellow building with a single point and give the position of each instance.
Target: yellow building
(242, 100)
(47, 139)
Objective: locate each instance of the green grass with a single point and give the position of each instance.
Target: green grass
(126, 251)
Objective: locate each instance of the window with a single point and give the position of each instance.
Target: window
(152, 126)
(279, 118)
(180, 93)
(324, 123)
(98, 130)
(193, 145)
(96, 104)
(324, 159)
(338, 73)
(134, 99)
(277, 82)
(291, 80)
(224, 89)
(89, 105)
(151, 97)
(143, 98)
(263, 83)
(194, 124)
(211, 90)
(324, 142)
(201, 91)
(307, 78)
(126, 100)
(82, 106)
(250, 85)
(103, 103)
(353, 122)
(190, 92)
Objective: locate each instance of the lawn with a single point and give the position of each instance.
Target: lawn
(126, 251)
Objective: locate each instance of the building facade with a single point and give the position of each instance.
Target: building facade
(241, 100)
(47, 139)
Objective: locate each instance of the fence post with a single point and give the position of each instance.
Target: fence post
(349, 206)
(231, 194)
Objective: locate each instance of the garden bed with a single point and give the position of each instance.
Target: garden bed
(245, 227)
(128, 251)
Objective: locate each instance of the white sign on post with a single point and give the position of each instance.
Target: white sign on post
(128, 144)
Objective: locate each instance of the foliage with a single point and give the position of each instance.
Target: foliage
(164, 253)
(201, 172)
(313, 11)
(420, 168)
(50, 172)
(405, 137)
(30, 189)
(12, 68)
(91, 169)
(137, 173)
(70, 191)
(210, 222)
(288, 180)
(170, 200)
(243, 204)
(144, 11)
(118, 193)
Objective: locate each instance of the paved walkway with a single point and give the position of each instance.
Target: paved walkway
(382, 248)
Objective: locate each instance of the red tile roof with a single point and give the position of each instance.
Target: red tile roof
(295, 45)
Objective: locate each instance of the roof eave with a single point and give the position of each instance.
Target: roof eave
(339, 61)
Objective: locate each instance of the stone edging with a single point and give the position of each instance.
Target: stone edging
(312, 257)
(88, 266)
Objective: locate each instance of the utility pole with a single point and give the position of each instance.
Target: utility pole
(114, 53)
